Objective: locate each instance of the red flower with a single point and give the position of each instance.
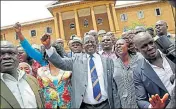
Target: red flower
(48, 105)
(66, 96)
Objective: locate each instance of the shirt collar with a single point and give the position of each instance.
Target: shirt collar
(21, 74)
(94, 55)
(162, 56)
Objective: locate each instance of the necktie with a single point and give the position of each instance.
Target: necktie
(95, 82)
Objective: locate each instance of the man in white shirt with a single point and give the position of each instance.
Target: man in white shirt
(18, 90)
(92, 84)
(152, 76)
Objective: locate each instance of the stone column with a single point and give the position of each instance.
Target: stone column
(93, 19)
(56, 25)
(77, 23)
(111, 25)
(115, 18)
(61, 26)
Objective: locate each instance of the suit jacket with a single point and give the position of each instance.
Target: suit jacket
(79, 67)
(148, 83)
(8, 100)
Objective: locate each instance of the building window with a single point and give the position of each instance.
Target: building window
(99, 21)
(72, 26)
(48, 29)
(16, 37)
(86, 23)
(123, 17)
(157, 12)
(140, 14)
(33, 33)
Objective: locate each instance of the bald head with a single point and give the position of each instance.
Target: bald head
(7, 44)
(141, 37)
(161, 28)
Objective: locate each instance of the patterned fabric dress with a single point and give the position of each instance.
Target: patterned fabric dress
(56, 89)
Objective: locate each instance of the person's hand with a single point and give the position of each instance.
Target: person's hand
(17, 27)
(157, 102)
(46, 41)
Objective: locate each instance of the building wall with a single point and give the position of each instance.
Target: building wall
(40, 30)
(105, 24)
(149, 15)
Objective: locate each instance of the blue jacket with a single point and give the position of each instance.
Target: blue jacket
(33, 53)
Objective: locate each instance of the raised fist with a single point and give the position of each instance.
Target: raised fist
(17, 27)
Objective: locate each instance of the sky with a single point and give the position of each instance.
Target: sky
(22, 11)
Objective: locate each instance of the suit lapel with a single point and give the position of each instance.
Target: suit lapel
(7, 94)
(104, 63)
(35, 89)
(151, 74)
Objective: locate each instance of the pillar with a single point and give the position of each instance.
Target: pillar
(115, 18)
(111, 25)
(93, 19)
(61, 26)
(56, 25)
(77, 23)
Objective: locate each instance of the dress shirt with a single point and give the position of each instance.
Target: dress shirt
(88, 97)
(110, 55)
(20, 89)
(164, 74)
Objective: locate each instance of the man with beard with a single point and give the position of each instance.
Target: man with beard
(18, 90)
(152, 75)
(161, 30)
(107, 47)
(92, 82)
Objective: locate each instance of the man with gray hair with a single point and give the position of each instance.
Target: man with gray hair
(92, 81)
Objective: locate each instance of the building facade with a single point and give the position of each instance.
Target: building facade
(78, 17)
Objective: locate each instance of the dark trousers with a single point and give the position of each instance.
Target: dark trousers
(102, 105)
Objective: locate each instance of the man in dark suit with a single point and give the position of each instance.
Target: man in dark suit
(152, 76)
(18, 90)
(92, 82)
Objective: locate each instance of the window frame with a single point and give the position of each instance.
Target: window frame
(47, 31)
(138, 14)
(125, 16)
(74, 25)
(35, 33)
(159, 11)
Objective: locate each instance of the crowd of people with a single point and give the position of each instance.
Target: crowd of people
(99, 71)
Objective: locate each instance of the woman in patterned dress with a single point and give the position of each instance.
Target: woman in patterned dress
(55, 84)
(123, 73)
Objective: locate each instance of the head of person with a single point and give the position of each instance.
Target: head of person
(139, 29)
(9, 57)
(25, 67)
(106, 43)
(150, 30)
(76, 45)
(22, 54)
(69, 44)
(59, 49)
(121, 48)
(94, 34)
(128, 36)
(60, 41)
(101, 33)
(35, 65)
(90, 44)
(146, 46)
(113, 38)
(161, 28)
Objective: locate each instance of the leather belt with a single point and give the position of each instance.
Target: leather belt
(96, 105)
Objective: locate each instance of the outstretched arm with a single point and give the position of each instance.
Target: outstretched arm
(36, 55)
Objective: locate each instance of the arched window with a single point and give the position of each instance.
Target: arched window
(72, 26)
(86, 23)
(99, 21)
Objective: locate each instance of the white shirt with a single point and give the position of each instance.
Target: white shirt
(164, 74)
(20, 89)
(88, 97)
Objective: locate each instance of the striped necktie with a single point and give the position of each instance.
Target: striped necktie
(95, 82)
